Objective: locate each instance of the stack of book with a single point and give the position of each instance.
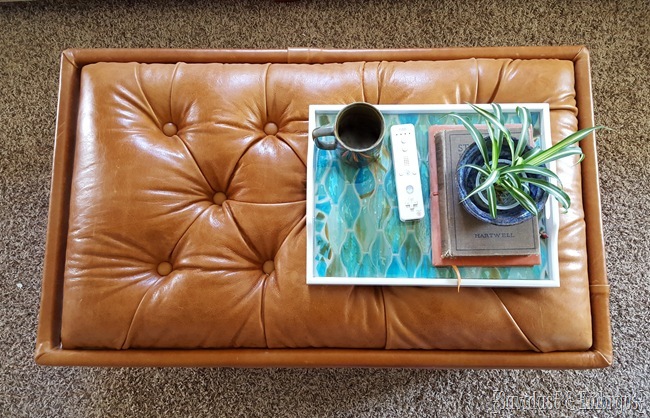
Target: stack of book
(457, 238)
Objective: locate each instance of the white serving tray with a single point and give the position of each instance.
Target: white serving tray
(354, 236)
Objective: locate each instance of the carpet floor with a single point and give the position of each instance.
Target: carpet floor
(32, 36)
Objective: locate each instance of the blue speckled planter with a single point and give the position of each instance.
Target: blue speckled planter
(466, 180)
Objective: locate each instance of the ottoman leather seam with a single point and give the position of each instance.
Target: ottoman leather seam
(477, 82)
(300, 221)
(378, 83)
(248, 147)
(189, 151)
(262, 307)
(245, 237)
(136, 71)
(502, 70)
(363, 81)
(505, 308)
(69, 56)
(279, 138)
(135, 314)
(383, 301)
(171, 89)
(187, 229)
(266, 93)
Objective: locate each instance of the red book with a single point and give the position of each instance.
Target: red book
(441, 255)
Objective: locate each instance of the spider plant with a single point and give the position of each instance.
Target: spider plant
(527, 166)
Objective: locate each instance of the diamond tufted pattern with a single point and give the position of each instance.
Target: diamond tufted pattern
(186, 218)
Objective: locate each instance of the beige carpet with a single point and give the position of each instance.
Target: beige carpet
(32, 35)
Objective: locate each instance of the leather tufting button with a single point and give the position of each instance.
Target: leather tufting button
(219, 198)
(170, 129)
(164, 268)
(268, 267)
(270, 128)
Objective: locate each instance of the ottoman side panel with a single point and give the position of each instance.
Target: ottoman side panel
(49, 324)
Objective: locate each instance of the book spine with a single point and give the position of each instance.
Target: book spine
(441, 163)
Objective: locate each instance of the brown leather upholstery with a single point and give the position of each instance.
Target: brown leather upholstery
(177, 219)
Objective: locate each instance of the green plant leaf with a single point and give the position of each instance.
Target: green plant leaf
(496, 151)
(512, 180)
(492, 201)
(493, 134)
(549, 153)
(511, 146)
(496, 110)
(489, 181)
(559, 154)
(524, 117)
(476, 135)
(500, 132)
(515, 181)
(524, 199)
(498, 113)
(576, 137)
(553, 190)
(529, 169)
(480, 169)
(491, 193)
(492, 119)
(531, 153)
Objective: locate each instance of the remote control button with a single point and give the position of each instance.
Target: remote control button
(409, 189)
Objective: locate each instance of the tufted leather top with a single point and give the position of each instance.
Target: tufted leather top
(186, 225)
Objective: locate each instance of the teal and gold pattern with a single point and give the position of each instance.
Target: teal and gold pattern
(357, 232)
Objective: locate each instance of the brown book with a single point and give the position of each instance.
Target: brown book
(457, 238)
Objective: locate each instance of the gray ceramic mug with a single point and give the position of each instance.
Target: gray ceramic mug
(357, 132)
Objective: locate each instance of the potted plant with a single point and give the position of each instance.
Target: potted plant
(503, 180)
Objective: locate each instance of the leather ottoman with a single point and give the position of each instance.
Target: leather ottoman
(177, 217)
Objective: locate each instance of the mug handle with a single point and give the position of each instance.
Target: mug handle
(324, 131)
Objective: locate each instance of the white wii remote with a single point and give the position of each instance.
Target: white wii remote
(406, 166)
